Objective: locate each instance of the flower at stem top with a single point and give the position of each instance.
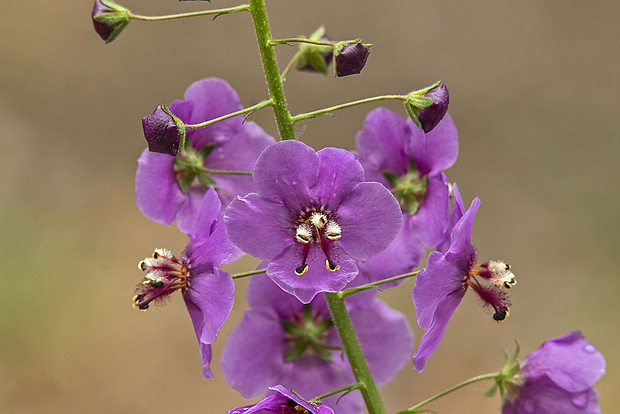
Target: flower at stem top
(281, 340)
(441, 286)
(172, 187)
(312, 217)
(410, 163)
(208, 291)
(283, 402)
(557, 379)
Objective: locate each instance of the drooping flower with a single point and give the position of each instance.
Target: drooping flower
(441, 286)
(394, 152)
(282, 402)
(169, 188)
(109, 19)
(557, 379)
(312, 217)
(208, 291)
(280, 340)
(350, 58)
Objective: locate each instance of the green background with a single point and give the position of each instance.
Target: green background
(534, 92)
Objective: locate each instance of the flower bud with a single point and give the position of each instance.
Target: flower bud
(315, 58)
(161, 132)
(109, 19)
(350, 58)
(428, 106)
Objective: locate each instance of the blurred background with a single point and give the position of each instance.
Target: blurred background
(534, 92)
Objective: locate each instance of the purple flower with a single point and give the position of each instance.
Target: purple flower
(161, 132)
(208, 291)
(441, 286)
(280, 340)
(557, 379)
(350, 58)
(312, 217)
(109, 19)
(169, 188)
(284, 402)
(410, 163)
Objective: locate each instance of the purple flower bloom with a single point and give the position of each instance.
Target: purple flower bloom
(284, 402)
(557, 379)
(441, 286)
(409, 162)
(281, 340)
(169, 188)
(350, 59)
(161, 132)
(312, 217)
(208, 291)
(109, 19)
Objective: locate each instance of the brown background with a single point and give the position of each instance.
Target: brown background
(534, 93)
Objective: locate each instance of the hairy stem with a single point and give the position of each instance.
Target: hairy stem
(228, 10)
(324, 111)
(344, 293)
(347, 388)
(356, 358)
(247, 110)
(249, 273)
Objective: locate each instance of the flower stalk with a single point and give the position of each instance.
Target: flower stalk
(356, 358)
(247, 110)
(248, 273)
(324, 111)
(347, 292)
(227, 10)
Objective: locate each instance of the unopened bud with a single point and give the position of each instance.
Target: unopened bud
(428, 106)
(161, 132)
(109, 19)
(350, 58)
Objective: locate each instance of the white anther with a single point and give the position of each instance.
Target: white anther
(304, 233)
(333, 231)
(318, 220)
(502, 275)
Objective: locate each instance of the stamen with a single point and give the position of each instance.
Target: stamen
(333, 231)
(318, 220)
(301, 270)
(331, 266)
(501, 315)
(304, 233)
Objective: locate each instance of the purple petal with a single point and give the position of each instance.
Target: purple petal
(440, 279)
(461, 250)
(259, 226)
(431, 339)
(381, 145)
(253, 355)
(570, 361)
(370, 218)
(458, 209)
(339, 172)
(212, 98)
(429, 223)
(238, 154)
(206, 355)
(317, 279)
(437, 150)
(312, 408)
(209, 299)
(210, 207)
(542, 396)
(270, 404)
(385, 337)
(285, 172)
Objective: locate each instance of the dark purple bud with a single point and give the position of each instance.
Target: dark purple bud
(430, 117)
(161, 132)
(109, 19)
(350, 60)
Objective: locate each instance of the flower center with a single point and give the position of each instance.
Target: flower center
(164, 274)
(317, 225)
(296, 407)
(409, 189)
(189, 168)
(499, 278)
(306, 334)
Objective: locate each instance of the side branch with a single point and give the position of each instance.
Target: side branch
(247, 110)
(344, 293)
(324, 111)
(245, 7)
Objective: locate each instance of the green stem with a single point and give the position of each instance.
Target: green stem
(351, 387)
(323, 111)
(270, 66)
(224, 172)
(249, 109)
(449, 390)
(290, 64)
(351, 345)
(276, 42)
(344, 293)
(249, 273)
(228, 10)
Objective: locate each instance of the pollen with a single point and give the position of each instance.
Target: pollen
(304, 233)
(333, 231)
(318, 220)
(502, 275)
(331, 266)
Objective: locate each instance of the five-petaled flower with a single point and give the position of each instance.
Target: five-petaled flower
(557, 379)
(283, 402)
(208, 291)
(312, 217)
(394, 152)
(441, 286)
(281, 340)
(169, 187)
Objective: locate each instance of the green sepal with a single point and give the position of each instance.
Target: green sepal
(205, 179)
(180, 126)
(413, 114)
(292, 328)
(324, 353)
(118, 19)
(186, 180)
(316, 59)
(296, 351)
(206, 150)
(491, 392)
(391, 177)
